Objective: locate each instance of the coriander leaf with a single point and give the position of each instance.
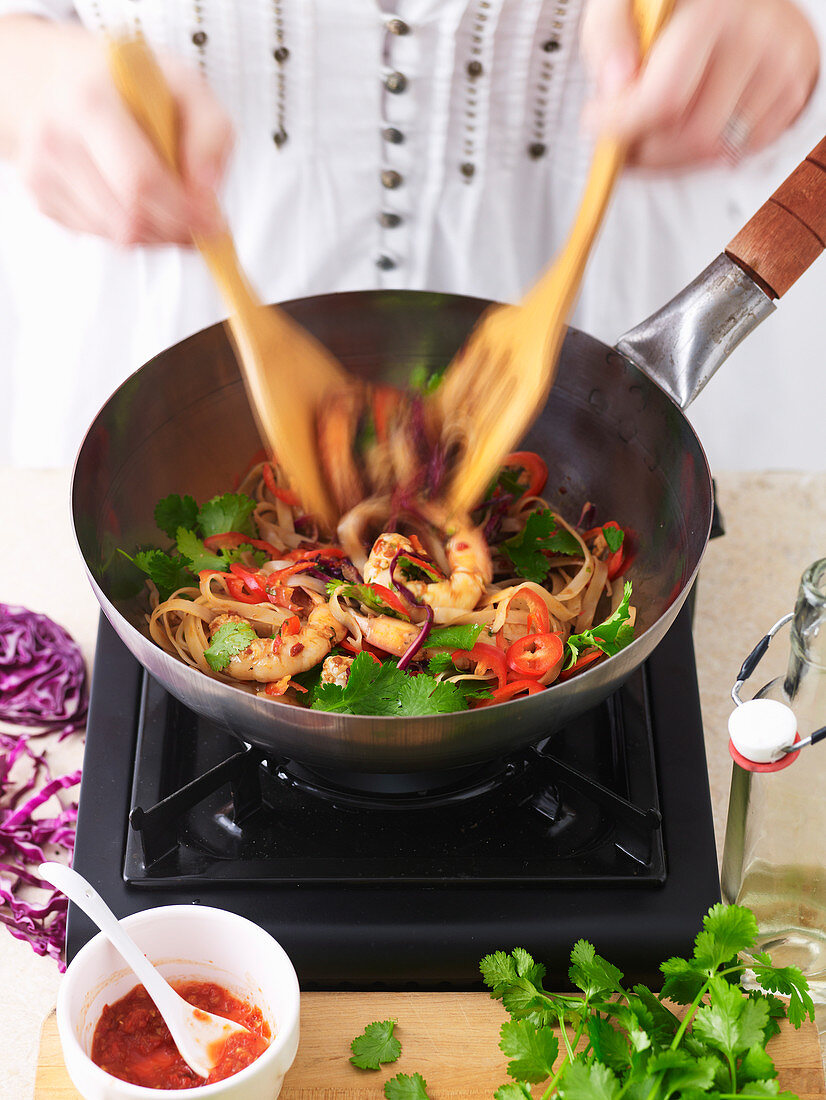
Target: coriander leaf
(175, 511)
(522, 998)
(442, 663)
(611, 636)
(229, 640)
(424, 695)
(727, 930)
(681, 1071)
(532, 1051)
(683, 980)
(664, 1022)
(591, 973)
(169, 572)
(614, 536)
(514, 1090)
(789, 981)
(508, 481)
(526, 967)
(371, 689)
(498, 971)
(540, 532)
(364, 594)
(406, 1087)
(637, 1021)
(191, 548)
(588, 1082)
(730, 1022)
(757, 1065)
(454, 637)
(375, 1045)
(230, 512)
(609, 1043)
(424, 380)
(239, 554)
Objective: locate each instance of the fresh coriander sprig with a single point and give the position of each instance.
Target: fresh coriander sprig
(635, 1046)
(376, 1045)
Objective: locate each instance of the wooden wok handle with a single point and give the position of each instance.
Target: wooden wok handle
(787, 233)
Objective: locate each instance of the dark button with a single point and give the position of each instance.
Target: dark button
(199, 38)
(391, 134)
(397, 26)
(395, 82)
(388, 220)
(536, 150)
(279, 137)
(467, 169)
(281, 54)
(474, 69)
(551, 45)
(391, 180)
(385, 263)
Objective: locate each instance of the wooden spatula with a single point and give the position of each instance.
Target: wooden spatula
(287, 372)
(499, 381)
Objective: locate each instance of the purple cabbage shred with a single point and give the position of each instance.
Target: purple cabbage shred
(42, 690)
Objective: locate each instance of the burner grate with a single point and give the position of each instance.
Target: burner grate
(590, 818)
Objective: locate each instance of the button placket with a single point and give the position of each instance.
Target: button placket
(552, 55)
(395, 87)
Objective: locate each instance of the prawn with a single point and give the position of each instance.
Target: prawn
(268, 659)
(468, 558)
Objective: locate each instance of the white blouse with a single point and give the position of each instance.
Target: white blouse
(426, 144)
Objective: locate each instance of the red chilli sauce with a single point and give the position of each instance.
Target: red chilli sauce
(133, 1043)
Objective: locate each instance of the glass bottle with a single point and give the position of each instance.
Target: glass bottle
(774, 857)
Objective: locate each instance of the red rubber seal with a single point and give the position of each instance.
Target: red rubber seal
(753, 766)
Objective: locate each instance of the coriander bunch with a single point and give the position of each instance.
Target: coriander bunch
(633, 1045)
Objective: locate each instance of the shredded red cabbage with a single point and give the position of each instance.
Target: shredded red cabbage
(43, 685)
(406, 594)
(42, 675)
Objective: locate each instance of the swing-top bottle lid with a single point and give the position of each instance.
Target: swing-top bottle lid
(761, 729)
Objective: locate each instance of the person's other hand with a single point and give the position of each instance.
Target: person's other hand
(725, 77)
(91, 167)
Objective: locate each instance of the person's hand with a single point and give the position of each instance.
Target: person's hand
(90, 166)
(725, 77)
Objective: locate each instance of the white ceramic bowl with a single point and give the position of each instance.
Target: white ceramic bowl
(184, 942)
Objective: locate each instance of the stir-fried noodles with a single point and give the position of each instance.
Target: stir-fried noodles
(408, 612)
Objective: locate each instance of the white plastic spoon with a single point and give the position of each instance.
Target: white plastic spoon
(198, 1035)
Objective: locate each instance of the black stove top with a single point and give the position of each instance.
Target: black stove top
(602, 831)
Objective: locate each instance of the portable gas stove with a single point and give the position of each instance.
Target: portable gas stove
(603, 831)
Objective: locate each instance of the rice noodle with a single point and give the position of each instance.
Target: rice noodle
(576, 592)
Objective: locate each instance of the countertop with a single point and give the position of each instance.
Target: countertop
(775, 524)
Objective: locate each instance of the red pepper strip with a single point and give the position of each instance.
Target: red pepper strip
(515, 687)
(539, 621)
(535, 468)
(366, 648)
(583, 662)
(430, 570)
(535, 654)
(389, 598)
(252, 580)
(291, 626)
(488, 656)
(236, 590)
(279, 575)
(273, 688)
(285, 495)
(280, 595)
(231, 540)
(308, 555)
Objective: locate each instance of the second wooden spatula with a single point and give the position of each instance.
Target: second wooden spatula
(497, 384)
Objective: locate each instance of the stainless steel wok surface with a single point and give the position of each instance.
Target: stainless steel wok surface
(181, 424)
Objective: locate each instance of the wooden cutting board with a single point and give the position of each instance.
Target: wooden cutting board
(450, 1038)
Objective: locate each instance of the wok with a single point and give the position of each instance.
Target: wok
(609, 433)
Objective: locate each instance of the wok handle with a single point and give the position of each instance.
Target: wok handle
(788, 232)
